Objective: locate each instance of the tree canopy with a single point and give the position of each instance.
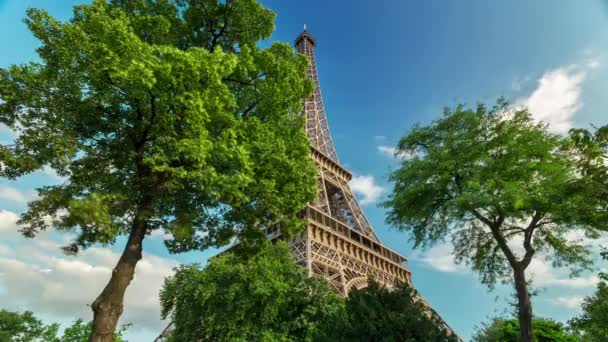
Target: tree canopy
(592, 159)
(502, 188)
(263, 297)
(507, 330)
(159, 115)
(25, 327)
(377, 313)
(592, 324)
(80, 331)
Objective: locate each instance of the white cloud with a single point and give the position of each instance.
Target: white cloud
(543, 274)
(48, 171)
(391, 152)
(571, 302)
(38, 277)
(366, 187)
(5, 250)
(8, 221)
(540, 270)
(387, 150)
(557, 96)
(161, 234)
(579, 237)
(16, 196)
(440, 258)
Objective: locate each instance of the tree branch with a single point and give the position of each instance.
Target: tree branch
(225, 24)
(502, 242)
(528, 239)
(249, 109)
(482, 218)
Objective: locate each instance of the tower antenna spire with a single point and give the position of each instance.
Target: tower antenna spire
(304, 27)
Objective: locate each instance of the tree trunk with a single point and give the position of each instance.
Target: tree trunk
(524, 305)
(107, 308)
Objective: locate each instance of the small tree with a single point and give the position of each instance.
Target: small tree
(592, 324)
(160, 115)
(507, 330)
(377, 313)
(263, 297)
(25, 327)
(592, 159)
(80, 331)
(503, 188)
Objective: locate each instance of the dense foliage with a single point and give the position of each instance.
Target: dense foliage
(592, 159)
(592, 324)
(379, 314)
(264, 297)
(80, 331)
(25, 327)
(159, 115)
(503, 189)
(507, 330)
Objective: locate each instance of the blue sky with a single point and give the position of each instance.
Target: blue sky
(383, 67)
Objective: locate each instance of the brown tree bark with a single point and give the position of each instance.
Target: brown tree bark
(524, 305)
(108, 307)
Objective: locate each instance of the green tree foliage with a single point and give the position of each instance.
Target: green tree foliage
(25, 327)
(379, 314)
(263, 297)
(160, 115)
(592, 324)
(502, 188)
(80, 331)
(507, 330)
(593, 159)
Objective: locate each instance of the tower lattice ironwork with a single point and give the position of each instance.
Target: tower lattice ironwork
(338, 243)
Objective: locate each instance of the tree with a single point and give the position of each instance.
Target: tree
(592, 148)
(592, 324)
(377, 313)
(261, 297)
(80, 331)
(502, 188)
(25, 327)
(507, 330)
(159, 115)
(266, 297)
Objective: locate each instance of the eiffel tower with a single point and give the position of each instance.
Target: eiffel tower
(338, 243)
